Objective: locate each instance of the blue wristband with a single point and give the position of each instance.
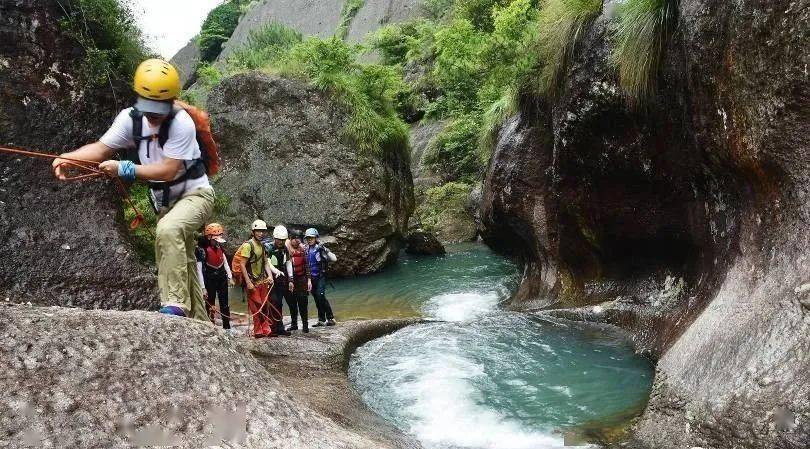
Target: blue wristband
(126, 171)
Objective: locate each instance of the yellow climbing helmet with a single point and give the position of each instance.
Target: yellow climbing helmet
(156, 79)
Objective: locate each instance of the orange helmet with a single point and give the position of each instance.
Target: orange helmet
(215, 231)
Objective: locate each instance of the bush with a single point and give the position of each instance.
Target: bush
(478, 12)
(641, 33)
(443, 210)
(218, 28)
(453, 153)
(263, 46)
(457, 69)
(108, 32)
(562, 23)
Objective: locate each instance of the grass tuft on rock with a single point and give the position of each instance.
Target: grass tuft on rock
(562, 23)
(640, 33)
(350, 9)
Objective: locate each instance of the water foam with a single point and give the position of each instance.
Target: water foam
(460, 307)
(445, 405)
(443, 389)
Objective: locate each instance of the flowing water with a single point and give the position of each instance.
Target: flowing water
(477, 376)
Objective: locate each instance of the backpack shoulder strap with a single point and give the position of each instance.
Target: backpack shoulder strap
(137, 135)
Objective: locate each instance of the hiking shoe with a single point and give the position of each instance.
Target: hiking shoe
(283, 332)
(330, 322)
(319, 324)
(292, 328)
(172, 310)
(306, 330)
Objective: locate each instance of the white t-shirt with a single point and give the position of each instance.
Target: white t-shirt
(181, 144)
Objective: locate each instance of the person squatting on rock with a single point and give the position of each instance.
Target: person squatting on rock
(318, 258)
(256, 274)
(213, 269)
(280, 259)
(159, 145)
(300, 284)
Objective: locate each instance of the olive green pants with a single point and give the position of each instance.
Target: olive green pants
(175, 240)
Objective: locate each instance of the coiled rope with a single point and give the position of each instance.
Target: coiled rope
(92, 171)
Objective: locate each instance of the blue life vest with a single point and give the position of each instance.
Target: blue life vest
(316, 260)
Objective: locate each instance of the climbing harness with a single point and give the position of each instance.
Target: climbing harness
(94, 172)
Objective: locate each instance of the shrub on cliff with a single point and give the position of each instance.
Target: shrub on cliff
(453, 152)
(443, 210)
(108, 32)
(218, 27)
(265, 45)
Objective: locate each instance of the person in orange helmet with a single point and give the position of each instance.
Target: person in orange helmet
(215, 272)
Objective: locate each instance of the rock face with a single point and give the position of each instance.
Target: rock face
(121, 379)
(61, 241)
(186, 61)
(686, 223)
(320, 18)
(285, 161)
(423, 243)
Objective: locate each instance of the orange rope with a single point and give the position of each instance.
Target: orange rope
(89, 166)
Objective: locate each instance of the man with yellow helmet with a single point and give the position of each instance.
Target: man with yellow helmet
(160, 148)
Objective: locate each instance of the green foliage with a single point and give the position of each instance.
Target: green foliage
(457, 67)
(217, 28)
(208, 75)
(264, 46)
(347, 14)
(444, 205)
(562, 23)
(453, 151)
(109, 34)
(437, 9)
(640, 34)
(478, 12)
(142, 237)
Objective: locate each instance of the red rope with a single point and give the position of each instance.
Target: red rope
(94, 172)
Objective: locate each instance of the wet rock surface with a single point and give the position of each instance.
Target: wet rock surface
(113, 379)
(686, 223)
(61, 241)
(423, 243)
(286, 161)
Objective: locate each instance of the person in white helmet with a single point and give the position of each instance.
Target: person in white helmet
(280, 260)
(256, 274)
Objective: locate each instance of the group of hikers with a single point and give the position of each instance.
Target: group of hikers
(168, 145)
(286, 267)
